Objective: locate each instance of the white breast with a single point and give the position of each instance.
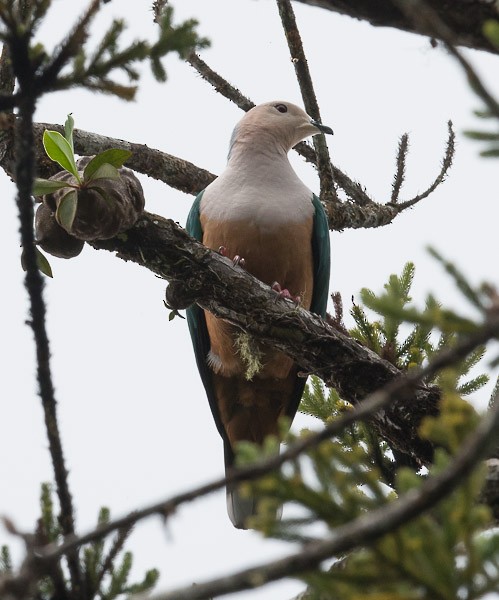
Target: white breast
(269, 196)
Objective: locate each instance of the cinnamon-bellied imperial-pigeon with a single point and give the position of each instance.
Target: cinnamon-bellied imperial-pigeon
(260, 210)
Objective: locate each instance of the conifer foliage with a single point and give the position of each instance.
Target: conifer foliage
(105, 565)
(448, 552)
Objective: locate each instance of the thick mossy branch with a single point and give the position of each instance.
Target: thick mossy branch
(175, 172)
(197, 274)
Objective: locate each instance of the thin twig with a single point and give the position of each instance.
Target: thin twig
(158, 6)
(67, 50)
(299, 60)
(362, 531)
(336, 320)
(221, 85)
(400, 172)
(446, 165)
(7, 79)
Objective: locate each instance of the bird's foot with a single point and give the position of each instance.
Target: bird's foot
(284, 293)
(236, 261)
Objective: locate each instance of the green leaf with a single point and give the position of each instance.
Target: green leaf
(114, 156)
(173, 314)
(68, 130)
(48, 186)
(43, 263)
(66, 211)
(58, 149)
(105, 171)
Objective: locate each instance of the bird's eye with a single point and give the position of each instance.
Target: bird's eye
(282, 108)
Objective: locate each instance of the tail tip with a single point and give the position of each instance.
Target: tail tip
(239, 508)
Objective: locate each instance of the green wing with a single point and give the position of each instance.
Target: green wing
(321, 250)
(197, 323)
(321, 253)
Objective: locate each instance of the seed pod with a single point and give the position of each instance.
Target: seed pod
(52, 238)
(104, 207)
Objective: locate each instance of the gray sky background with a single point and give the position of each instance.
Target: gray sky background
(135, 422)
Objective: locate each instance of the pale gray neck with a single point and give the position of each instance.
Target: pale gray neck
(263, 160)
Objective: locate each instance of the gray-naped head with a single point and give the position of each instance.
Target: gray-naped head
(280, 122)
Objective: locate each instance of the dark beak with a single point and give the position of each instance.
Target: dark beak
(321, 127)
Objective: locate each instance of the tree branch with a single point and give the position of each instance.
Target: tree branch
(24, 171)
(221, 85)
(424, 16)
(446, 165)
(187, 177)
(464, 17)
(175, 172)
(199, 275)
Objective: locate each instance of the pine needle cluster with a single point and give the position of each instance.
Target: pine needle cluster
(105, 565)
(94, 66)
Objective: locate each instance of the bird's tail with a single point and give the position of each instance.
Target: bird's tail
(239, 507)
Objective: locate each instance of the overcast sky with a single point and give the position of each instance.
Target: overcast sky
(136, 425)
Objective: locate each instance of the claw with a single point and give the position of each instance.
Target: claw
(238, 261)
(285, 293)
